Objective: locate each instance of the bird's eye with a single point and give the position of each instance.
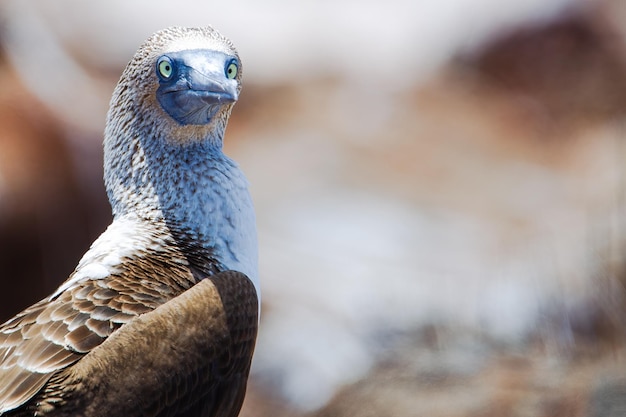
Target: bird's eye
(231, 70)
(165, 68)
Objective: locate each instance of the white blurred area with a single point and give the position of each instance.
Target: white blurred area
(381, 208)
(391, 43)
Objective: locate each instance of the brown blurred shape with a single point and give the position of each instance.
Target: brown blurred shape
(45, 223)
(571, 69)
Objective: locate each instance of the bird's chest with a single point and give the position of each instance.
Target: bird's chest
(213, 212)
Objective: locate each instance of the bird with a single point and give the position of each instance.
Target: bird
(160, 316)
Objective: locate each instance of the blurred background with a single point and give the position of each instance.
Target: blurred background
(440, 191)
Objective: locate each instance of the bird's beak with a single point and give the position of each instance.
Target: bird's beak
(209, 81)
(214, 92)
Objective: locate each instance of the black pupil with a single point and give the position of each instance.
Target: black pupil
(167, 68)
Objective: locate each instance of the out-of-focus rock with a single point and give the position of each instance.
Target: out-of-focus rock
(568, 71)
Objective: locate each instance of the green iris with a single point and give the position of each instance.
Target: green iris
(165, 68)
(231, 70)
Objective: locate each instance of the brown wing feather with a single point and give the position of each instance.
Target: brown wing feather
(188, 357)
(57, 332)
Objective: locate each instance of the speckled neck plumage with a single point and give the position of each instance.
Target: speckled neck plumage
(193, 189)
(159, 171)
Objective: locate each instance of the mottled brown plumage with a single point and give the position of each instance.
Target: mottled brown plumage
(154, 321)
(192, 377)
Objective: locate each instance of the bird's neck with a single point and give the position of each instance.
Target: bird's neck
(198, 193)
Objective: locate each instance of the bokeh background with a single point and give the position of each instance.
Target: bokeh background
(440, 190)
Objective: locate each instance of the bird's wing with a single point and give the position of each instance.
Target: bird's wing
(57, 332)
(189, 357)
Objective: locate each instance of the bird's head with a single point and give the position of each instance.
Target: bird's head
(181, 84)
(195, 84)
(169, 109)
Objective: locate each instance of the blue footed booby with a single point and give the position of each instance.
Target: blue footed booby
(160, 316)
